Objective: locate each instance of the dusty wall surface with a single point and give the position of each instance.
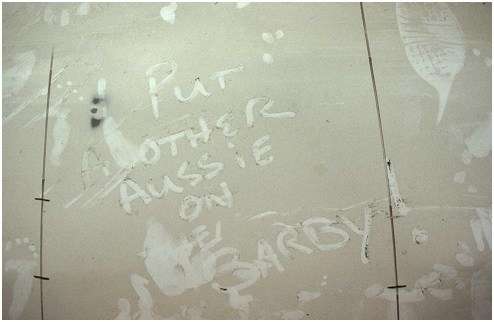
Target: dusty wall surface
(224, 161)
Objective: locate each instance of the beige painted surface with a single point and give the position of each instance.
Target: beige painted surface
(326, 166)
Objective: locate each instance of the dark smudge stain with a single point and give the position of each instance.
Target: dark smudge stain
(96, 100)
(95, 122)
(94, 110)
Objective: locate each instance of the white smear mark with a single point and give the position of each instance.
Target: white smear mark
(279, 34)
(442, 294)
(168, 13)
(220, 76)
(145, 302)
(488, 62)
(101, 87)
(125, 153)
(263, 214)
(49, 15)
(481, 228)
(434, 45)
(64, 18)
(464, 257)
(124, 310)
(466, 157)
(472, 189)
(291, 315)
(306, 296)
(198, 89)
(15, 77)
(480, 293)
(460, 177)
(267, 58)
(420, 236)
(171, 264)
(267, 37)
(20, 258)
(476, 52)
(397, 200)
(83, 9)
(61, 134)
(479, 142)
(448, 271)
(242, 4)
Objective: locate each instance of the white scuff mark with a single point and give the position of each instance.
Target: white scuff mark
(15, 77)
(125, 153)
(480, 294)
(198, 89)
(168, 13)
(488, 61)
(242, 4)
(479, 142)
(420, 236)
(145, 302)
(464, 259)
(220, 76)
(481, 226)
(267, 58)
(460, 177)
(476, 52)
(406, 296)
(101, 87)
(434, 45)
(472, 189)
(124, 310)
(466, 157)
(442, 294)
(428, 280)
(21, 259)
(61, 134)
(397, 200)
(263, 214)
(64, 18)
(83, 9)
(49, 15)
(464, 255)
(171, 264)
(279, 34)
(267, 37)
(291, 314)
(307, 296)
(448, 271)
